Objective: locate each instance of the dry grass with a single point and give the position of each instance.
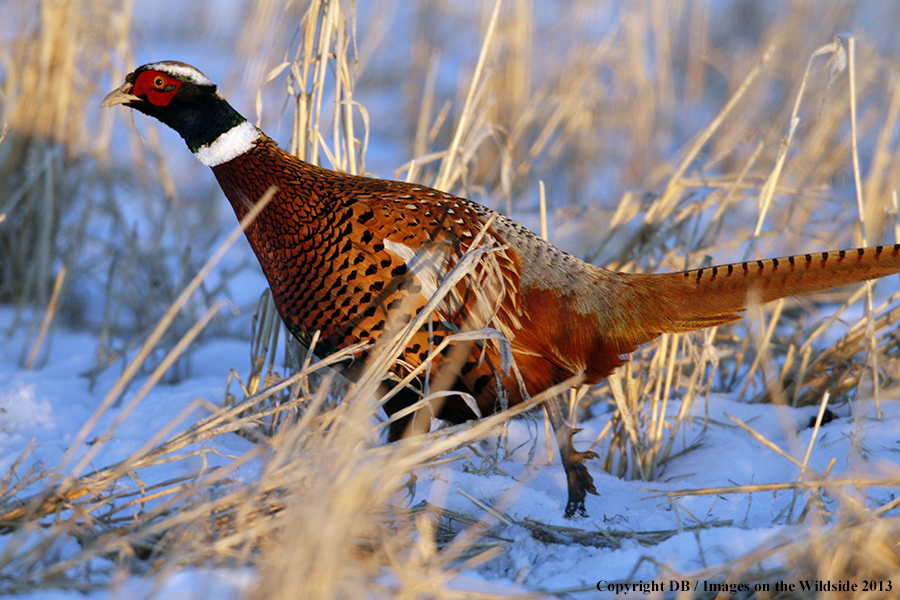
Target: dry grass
(673, 134)
(856, 557)
(51, 69)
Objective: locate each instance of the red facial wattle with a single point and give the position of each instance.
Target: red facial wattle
(157, 87)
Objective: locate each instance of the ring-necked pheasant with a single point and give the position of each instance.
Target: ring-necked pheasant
(353, 256)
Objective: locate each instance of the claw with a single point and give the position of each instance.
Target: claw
(580, 483)
(579, 479)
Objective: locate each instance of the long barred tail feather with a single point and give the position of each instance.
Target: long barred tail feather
(705, 297)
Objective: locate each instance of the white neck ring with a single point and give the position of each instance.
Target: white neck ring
(228, 146)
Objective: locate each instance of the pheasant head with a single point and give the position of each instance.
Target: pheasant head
(183, 98)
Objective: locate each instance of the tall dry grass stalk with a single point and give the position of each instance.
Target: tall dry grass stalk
(61, 206)
(52, 69)
(59, 214)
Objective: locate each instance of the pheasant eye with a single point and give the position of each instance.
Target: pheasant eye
(159, 82)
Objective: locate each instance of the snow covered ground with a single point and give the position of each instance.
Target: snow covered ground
(49, 405)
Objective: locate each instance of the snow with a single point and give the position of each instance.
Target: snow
(49, 405)
(188, 584)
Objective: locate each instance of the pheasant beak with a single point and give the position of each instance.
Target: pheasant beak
(122, 95)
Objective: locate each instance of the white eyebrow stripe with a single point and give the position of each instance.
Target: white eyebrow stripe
(181, 71)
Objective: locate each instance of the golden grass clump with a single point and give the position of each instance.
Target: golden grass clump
(855, 557)
(858, 557)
